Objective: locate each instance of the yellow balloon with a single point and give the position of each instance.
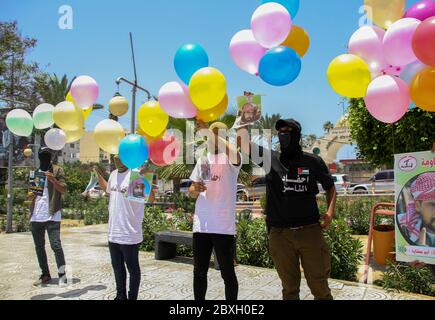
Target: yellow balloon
(349, 76)
(207, 88)
(108, 135)
(86, 111)
(215, 113)
(68, 116)
(118, 106)
(385, 12)
(152, 119)
(28, 152)
(73, 136)
(148, 138)
(422, 89)
(299, 40)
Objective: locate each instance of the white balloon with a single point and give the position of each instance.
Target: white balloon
(55, 139)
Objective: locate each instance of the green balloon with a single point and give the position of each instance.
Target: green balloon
(43, 116)
(20, 123)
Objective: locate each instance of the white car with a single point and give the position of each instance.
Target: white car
(342, 183)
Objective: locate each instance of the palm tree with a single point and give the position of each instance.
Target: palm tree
(328, 126)
(268, 123)
(308, 141)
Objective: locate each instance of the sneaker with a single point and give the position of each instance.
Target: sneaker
(43, 280)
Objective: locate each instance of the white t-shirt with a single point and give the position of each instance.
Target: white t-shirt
(125, 217)
(215, 210)
(41, 212)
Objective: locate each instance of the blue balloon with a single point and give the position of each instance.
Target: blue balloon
(280, 66)
(133, 151)
(291, 5)
(189, 59)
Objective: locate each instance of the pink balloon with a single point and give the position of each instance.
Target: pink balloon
(392, 70)
(398, 42)
(388, 99)
(367, 43)
(246, 51)
(174, 98)
(84, 91)
(164, 152)
(271, 24)
(421, 10)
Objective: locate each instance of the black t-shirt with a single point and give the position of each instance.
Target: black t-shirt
(291, 189)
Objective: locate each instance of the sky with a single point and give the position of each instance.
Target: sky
(98, 46)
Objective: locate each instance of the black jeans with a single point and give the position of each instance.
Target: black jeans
(223, 245)
(121, 256)
(38, 232)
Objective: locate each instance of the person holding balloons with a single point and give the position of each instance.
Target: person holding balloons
(46, 216)
(214, 224)
(125, 230)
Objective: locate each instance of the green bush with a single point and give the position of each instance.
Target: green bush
(400, 276)
(252, 243)
(96, 211)
(346, 251)
(356, 212)
(154, 221)
(21, 221)
(183, 202)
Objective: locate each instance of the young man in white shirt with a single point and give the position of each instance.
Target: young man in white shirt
(125, 231)
(214, 220)
(45, 213)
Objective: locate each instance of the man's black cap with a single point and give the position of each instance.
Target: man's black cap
(291, 123)
(45, 150)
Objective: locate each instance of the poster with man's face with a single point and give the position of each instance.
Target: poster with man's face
(249, 110)
(415, 207)
(20, 144)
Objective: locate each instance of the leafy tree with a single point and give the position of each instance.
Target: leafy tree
(378, 142)
(328, 126)
(308, 141)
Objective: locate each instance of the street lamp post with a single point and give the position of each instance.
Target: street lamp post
(134, 86)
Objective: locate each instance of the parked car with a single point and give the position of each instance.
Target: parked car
(185, 185)
(342, 183)
(253, 193)
(96, 193)
(381, 182)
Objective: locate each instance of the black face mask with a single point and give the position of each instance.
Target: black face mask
(45, 160)
(290, 142)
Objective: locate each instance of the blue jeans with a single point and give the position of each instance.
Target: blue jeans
(125, 255)
(38, 232)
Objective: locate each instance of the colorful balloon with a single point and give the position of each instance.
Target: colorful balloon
(246, 51)
(271, 23)
(421, 10)
(73, 136)
(387, 99)
(280, 66)
(164, 152)
(118, 106)
(86, 111)
(423, 89)
(68, 116)
(391, 70)
(207, 88)
(349, 76)
(55, 139)
(19, 122)
(175, 100)
(108, 135)
(292, 6)
(411, 70)
(84, 91)
(133, 151)
(398, 42)
(43, 116)
(214, 113)
(423, 42)
(367, 43)
(153, 120)
(149, 139)
(189, 59)
(385, 12)
(298, 40)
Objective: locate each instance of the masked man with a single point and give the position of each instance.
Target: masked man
(46, 216)
(294, 222)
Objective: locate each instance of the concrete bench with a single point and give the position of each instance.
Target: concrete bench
(166, 245)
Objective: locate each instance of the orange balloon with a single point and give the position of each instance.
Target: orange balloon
(423, 90)
(299, 40)
(215, 113)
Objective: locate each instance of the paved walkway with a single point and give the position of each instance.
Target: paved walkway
(87, 253)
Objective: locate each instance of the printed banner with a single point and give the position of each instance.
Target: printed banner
(139, 187)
